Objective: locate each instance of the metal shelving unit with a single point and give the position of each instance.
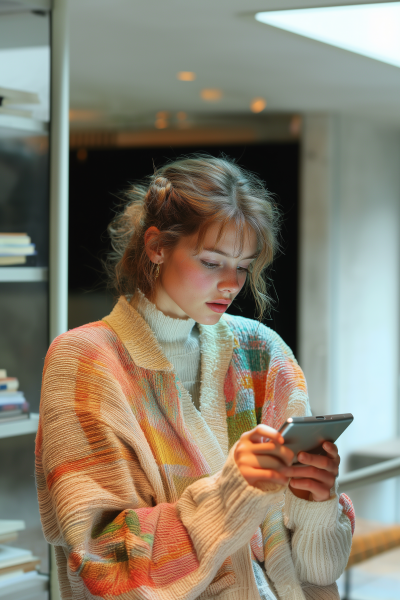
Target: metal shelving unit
(56, 273)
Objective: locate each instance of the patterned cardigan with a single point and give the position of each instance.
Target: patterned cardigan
(134, 508)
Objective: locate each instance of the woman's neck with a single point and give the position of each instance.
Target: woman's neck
(165, 327)
(166, 305)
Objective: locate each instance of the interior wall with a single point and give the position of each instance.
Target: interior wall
(349, 284)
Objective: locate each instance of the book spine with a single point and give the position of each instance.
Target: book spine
(7, 414)
(6, 408)
(13, 417)
(12, 260)
(11, 384)
(9, 400)
(12, 239)
(16, 250)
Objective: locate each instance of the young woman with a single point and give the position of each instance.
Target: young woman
(160, 471)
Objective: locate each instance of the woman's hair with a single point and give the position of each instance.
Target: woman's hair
(185, 197)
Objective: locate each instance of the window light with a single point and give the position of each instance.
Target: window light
(372, 30)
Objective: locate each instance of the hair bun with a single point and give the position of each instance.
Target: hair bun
(158, 194)
(162, 184)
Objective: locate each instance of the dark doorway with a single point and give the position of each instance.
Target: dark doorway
(95, 183)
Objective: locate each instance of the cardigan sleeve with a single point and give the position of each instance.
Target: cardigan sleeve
(321, 536)
(98, 506)
(320, 532)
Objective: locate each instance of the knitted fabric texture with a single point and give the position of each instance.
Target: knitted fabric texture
(179, 341)
(132, 505)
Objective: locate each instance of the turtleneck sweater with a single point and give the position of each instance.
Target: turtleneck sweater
(179, 340)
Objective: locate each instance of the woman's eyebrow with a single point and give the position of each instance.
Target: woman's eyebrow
(228, 255)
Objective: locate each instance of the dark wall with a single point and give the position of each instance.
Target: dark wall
(96, 182)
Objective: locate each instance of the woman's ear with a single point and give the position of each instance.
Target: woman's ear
(153, 250)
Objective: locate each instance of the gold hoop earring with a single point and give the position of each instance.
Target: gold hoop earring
(157, 271)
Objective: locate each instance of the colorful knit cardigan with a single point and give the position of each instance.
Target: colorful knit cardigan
(118, 472)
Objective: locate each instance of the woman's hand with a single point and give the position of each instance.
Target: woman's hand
(318, 476)
(262, 461)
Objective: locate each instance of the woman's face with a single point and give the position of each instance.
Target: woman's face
(202, 286)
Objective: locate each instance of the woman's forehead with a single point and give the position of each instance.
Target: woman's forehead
(231, 239)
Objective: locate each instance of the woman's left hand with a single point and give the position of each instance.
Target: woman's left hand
(314, 480)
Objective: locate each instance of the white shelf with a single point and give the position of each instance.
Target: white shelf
(20, 274)
(23, 427)
(20, 126)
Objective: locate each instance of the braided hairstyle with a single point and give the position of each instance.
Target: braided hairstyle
(185, 197)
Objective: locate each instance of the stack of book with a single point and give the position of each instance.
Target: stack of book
(13, 405)
(18, 567)
(14, 248)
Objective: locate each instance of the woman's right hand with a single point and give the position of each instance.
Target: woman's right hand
(259, 461)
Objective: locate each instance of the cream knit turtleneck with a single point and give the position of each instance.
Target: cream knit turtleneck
(179, 340)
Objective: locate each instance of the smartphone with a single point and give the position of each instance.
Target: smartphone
(309, 433)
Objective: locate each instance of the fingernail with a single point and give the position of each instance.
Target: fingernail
(301, 456)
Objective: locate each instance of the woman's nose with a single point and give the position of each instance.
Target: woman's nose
(229, 282)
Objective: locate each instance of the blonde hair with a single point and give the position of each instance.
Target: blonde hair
(185, 197)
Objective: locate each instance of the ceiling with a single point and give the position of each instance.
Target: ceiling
(125, 55)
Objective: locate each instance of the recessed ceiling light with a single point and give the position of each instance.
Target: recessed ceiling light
(186, 76)
(211, 94)
(258, 104)
(161, 123)
(372, 30)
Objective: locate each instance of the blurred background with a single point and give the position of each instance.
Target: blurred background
(306, 95)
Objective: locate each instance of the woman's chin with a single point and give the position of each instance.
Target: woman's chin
(208, 319)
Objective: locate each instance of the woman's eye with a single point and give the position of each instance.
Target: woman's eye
(208, 264)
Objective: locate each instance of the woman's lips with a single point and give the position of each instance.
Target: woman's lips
(218, 307)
